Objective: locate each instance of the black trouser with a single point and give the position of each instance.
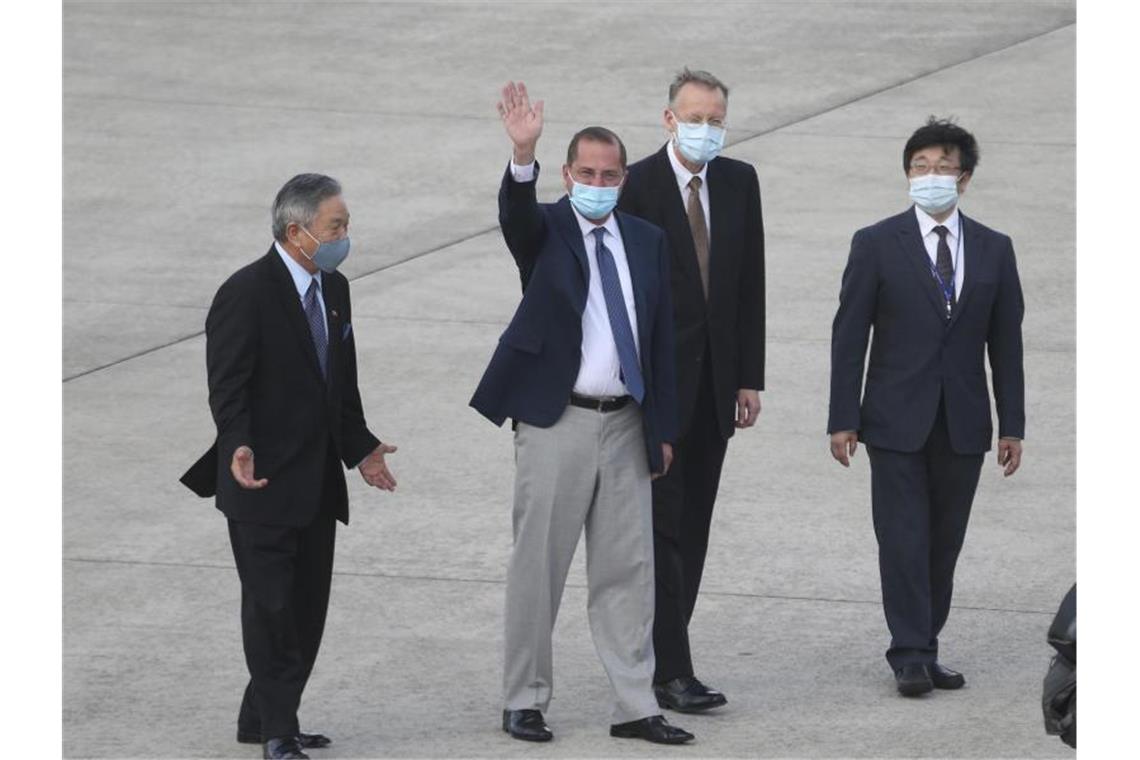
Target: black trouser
(285, 577)
(682, 513)
(921, 505)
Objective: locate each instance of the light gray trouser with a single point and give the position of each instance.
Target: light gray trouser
(590, 468)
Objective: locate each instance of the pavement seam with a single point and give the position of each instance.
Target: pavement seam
(578, 586)
(748, 137)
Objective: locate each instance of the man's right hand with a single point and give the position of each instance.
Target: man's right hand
(843, 445)
(242, 468)
(522, 122)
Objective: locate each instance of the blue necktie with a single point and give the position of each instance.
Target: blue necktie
(619, 319)
(317, 326)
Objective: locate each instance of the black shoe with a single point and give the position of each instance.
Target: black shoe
(307, 741)
(652, 729)
(283, 748)
(945, 678)
(913, 679)
(527, 725)
(688, 695)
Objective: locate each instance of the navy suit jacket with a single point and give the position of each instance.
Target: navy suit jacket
(918, 356)
(533, 369)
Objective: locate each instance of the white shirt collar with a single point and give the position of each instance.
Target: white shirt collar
(926, 222)
(301, 278)
(684, 176)
(588, 227)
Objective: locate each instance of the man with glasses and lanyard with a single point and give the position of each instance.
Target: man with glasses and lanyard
(941, 291)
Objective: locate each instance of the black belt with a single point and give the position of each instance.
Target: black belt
(599, 404)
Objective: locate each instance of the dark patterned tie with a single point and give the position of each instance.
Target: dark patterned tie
(945, 265)
(700, 230)
(619, 319)
(317, 326)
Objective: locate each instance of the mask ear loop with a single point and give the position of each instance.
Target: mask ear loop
(318, 242)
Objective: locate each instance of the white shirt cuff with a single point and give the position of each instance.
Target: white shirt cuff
(524, 173)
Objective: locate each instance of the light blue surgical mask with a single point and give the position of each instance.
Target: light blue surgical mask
(328, 256)
(593, 202)
(700, 143)
(934, 193)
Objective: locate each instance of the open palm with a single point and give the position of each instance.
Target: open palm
(522, 121)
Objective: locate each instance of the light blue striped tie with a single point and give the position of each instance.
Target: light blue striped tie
(619, 319)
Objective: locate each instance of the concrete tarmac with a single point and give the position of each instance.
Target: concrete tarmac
(181, 122)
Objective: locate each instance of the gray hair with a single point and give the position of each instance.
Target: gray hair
(685, 76)
(297, 202)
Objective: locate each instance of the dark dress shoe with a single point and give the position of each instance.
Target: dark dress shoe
(307, 741)
(652, 729)
(283, 748)
(945, 678)
(688, 695)
(913, 679)
(527, 725)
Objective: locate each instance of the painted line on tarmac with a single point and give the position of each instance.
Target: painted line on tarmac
(746, 138)
(502, 582)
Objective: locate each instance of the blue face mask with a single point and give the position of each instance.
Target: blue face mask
(934, 193)
(328, 256)
(700, 143)
(593, 202)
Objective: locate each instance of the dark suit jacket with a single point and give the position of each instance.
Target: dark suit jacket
(266, 392)
(733, 317)
(918, 356)
(533, 369)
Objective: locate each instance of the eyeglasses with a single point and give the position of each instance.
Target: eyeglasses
(587, 175)
(919, 168)
(718, 123)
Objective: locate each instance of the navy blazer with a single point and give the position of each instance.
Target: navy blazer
(533, 369)
(918, 356)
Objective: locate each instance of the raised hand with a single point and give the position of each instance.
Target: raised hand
(522, 121)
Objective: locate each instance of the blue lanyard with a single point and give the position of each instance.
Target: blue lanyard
(948, 288)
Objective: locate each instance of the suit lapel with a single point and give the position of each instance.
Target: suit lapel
(334, 313)
(910, 238)
(637, 261)
(676, 220)
(291, 305)
(567, 225)
(717, 224)
(971, 258)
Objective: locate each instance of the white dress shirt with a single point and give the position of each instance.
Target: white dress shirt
(301, 280)
(684, 176)
(926, 225)
(599, 374)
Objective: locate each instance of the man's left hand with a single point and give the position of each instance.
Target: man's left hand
(375, 471)
(747, 407)
(1009, 454)
(666, 460)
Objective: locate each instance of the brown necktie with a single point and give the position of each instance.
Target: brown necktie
(700, 232)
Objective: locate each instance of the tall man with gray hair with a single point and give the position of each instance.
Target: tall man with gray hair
(709, 207)
(281, 364)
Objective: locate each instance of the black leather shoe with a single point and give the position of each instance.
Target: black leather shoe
(945, 678)
(527, 725)
(283, 748)
(913, 679)
(652, 729)
(307, 741)
(688, 695)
